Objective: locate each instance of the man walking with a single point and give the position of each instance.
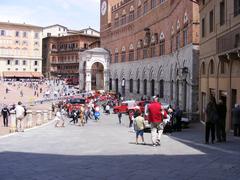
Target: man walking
(19, 117)
(236, 119)
(221, 123)
(5, 113)
(156, 115)
(212, 116)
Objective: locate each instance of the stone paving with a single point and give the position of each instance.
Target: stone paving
(105, 150)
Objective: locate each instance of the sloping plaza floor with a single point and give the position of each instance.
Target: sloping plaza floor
(106, 150)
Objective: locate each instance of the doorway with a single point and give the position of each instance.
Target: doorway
(97, 78)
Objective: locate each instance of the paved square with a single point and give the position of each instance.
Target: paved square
(106, 150)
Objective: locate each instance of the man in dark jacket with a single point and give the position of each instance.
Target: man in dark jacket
(236, 119)
(211, 112)
(155, 117)
(5, 113)
(221, 121)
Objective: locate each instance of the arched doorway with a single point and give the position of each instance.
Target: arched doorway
(145, 87)
(116, 84)
(152, 87)
(97, 78)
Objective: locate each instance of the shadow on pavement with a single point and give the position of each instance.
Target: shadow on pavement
(195, 137)
(29, 166)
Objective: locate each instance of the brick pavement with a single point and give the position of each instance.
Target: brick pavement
(106, 150)
(14, 96)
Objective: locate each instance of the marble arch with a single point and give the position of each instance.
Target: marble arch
(87, 59)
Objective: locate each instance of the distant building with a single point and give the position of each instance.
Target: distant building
(90, 31)
(55, 30)
(154, 47)
(20, 50)
(220, 54)
(61, 54)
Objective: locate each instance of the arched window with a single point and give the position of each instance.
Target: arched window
(211, 67)
(123, 56)
(203, 71)
(116, 83)
(222, 67)
(131, 85)
(138, 86)
(131, 14)
(153, 3)
(131, 53)
(110, 84)
(161, 88)
(145, 87)
(153, 87)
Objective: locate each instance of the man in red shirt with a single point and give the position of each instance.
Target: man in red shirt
(155, 117)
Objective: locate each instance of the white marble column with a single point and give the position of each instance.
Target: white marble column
(88, 80)
(50, 114)
(45, 116)
(39, 117)
(29, 119)
(13, 122)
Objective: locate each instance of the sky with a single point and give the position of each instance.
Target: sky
(74, 14)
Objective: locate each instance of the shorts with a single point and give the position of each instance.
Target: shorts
(139, 132)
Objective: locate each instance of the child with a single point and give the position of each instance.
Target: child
(139, 126)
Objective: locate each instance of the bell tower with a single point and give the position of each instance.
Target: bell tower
(104, 8)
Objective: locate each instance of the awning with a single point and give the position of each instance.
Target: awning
(37, 74)
(17, 74)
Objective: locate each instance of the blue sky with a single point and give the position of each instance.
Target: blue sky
(74, 14)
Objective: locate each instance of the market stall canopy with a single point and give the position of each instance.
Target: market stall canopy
(17, 74)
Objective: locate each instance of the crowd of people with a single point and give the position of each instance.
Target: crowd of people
(216, 120)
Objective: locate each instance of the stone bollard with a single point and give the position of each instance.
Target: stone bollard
(39, 117)
(50, 114)
(29, 118)
(45, 116)
(13, 121)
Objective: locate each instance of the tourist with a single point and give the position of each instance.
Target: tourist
(221, 121)
(178, 117)
(5, 113)
(86, 114)
(57, 118)
(212, 116)
(155, 117)
(236, 119)
(131, 117)
(139, 126)
(81, 116)
(20, 111)
(107, 109)
(120, 117)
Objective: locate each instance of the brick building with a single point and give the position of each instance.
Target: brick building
(61, 54)
(220, 54)
(154, 46)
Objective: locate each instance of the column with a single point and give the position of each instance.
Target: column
(29, 119)
(88, 80)
(106, 80)
(13, 122)
(50, 114)
(39, 117)
(45, 116)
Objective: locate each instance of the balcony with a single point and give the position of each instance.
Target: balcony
(229, 42)
(52, 51)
